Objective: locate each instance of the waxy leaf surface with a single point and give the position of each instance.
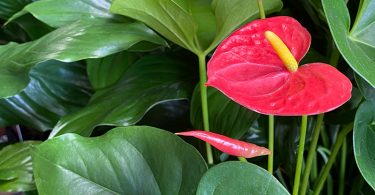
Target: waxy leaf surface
(356, 45)
(247, 69)
(73, 42)
(55, 90)
(149, 81)
(235, 177)
(363, 141)
(130, 160)
(16, 167)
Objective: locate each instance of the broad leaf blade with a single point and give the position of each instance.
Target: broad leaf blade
(239, 178)
(56, 89)
(150, 80)
(133, 160)
(63, 12)
(16, 167)
(166, 17)
(363, 141)
(104, 72)
(79, 40)
(357, 46)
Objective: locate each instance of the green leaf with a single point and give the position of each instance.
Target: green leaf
(63, 12)
(366, 89)
(56, 89)
(10, 7)
(226, 116)
(35, 29)
(151, 80)
(357, 46)
(193, 24)
(16, 167)
(363, 141)
(130, 160)
(166, 17)
(79, 40)
(239, 178)
(104, 72)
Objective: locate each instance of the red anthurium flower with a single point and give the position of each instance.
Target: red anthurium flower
(257, 66)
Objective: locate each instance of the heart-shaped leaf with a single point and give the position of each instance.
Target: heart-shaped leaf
(63, 12)
(56, 89)
(76, 41)
(248, 70)
(239, 178)
(150, 80)
(226, 116)
(130, 160)
(104, 72)
(363, 141)
(196, 25)
(16, 167)
(357, 45)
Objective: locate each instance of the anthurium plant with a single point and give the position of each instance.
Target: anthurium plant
(187, 97)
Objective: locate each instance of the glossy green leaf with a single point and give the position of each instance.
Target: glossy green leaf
(16, 167)
(104, 72)
(56, 89)
(79, 40)
(357, 46)
(193, 24)
(151, 80)
(34, 28)
(63, 12)
(366, 89)
(169, 18)
(239, 178)
(10, 7)
(363, 141)
(226, 116)
(130, 160)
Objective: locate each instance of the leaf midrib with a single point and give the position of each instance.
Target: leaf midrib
(64, 168)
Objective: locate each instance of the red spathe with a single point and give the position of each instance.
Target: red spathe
(247, 69)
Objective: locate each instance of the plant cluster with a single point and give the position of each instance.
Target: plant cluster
(98, 96)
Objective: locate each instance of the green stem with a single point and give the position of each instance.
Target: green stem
(270, 142)
(203, 89)
(342, 168)
(314, 169)
(262, 15)
(301, 148)
(336, 147)
(311, 154)
(242, 159)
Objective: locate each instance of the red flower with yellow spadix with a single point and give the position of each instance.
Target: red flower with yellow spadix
(257, 67)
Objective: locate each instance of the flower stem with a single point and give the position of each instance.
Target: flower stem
(342, 167)
(270, 142)
(203, 89)
(311, 154)
(262, 15)
(242, 159)
(301, 148)
(336, 147)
